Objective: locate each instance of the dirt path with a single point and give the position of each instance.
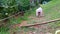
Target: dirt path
(33, 20)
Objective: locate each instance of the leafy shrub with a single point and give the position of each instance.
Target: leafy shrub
(24, 5)
(8, 7)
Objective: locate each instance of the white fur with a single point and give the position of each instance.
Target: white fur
(57, 31)
(39, 10)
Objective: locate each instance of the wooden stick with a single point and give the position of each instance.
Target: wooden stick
(29, 25)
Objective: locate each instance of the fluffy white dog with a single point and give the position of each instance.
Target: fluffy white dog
(39, 12)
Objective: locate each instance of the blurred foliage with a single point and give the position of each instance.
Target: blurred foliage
(8, 7)
(24, 5)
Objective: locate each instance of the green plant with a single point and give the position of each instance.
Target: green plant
(8, 7)
(24, 5)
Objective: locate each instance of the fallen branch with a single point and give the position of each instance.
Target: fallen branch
(29, 25)
(10, 16)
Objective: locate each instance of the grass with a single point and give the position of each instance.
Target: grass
(19, 19)
(4, 30)
(13, 20)
(4, 33)
(51, 11)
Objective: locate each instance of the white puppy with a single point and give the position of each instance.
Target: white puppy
(39, 12)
